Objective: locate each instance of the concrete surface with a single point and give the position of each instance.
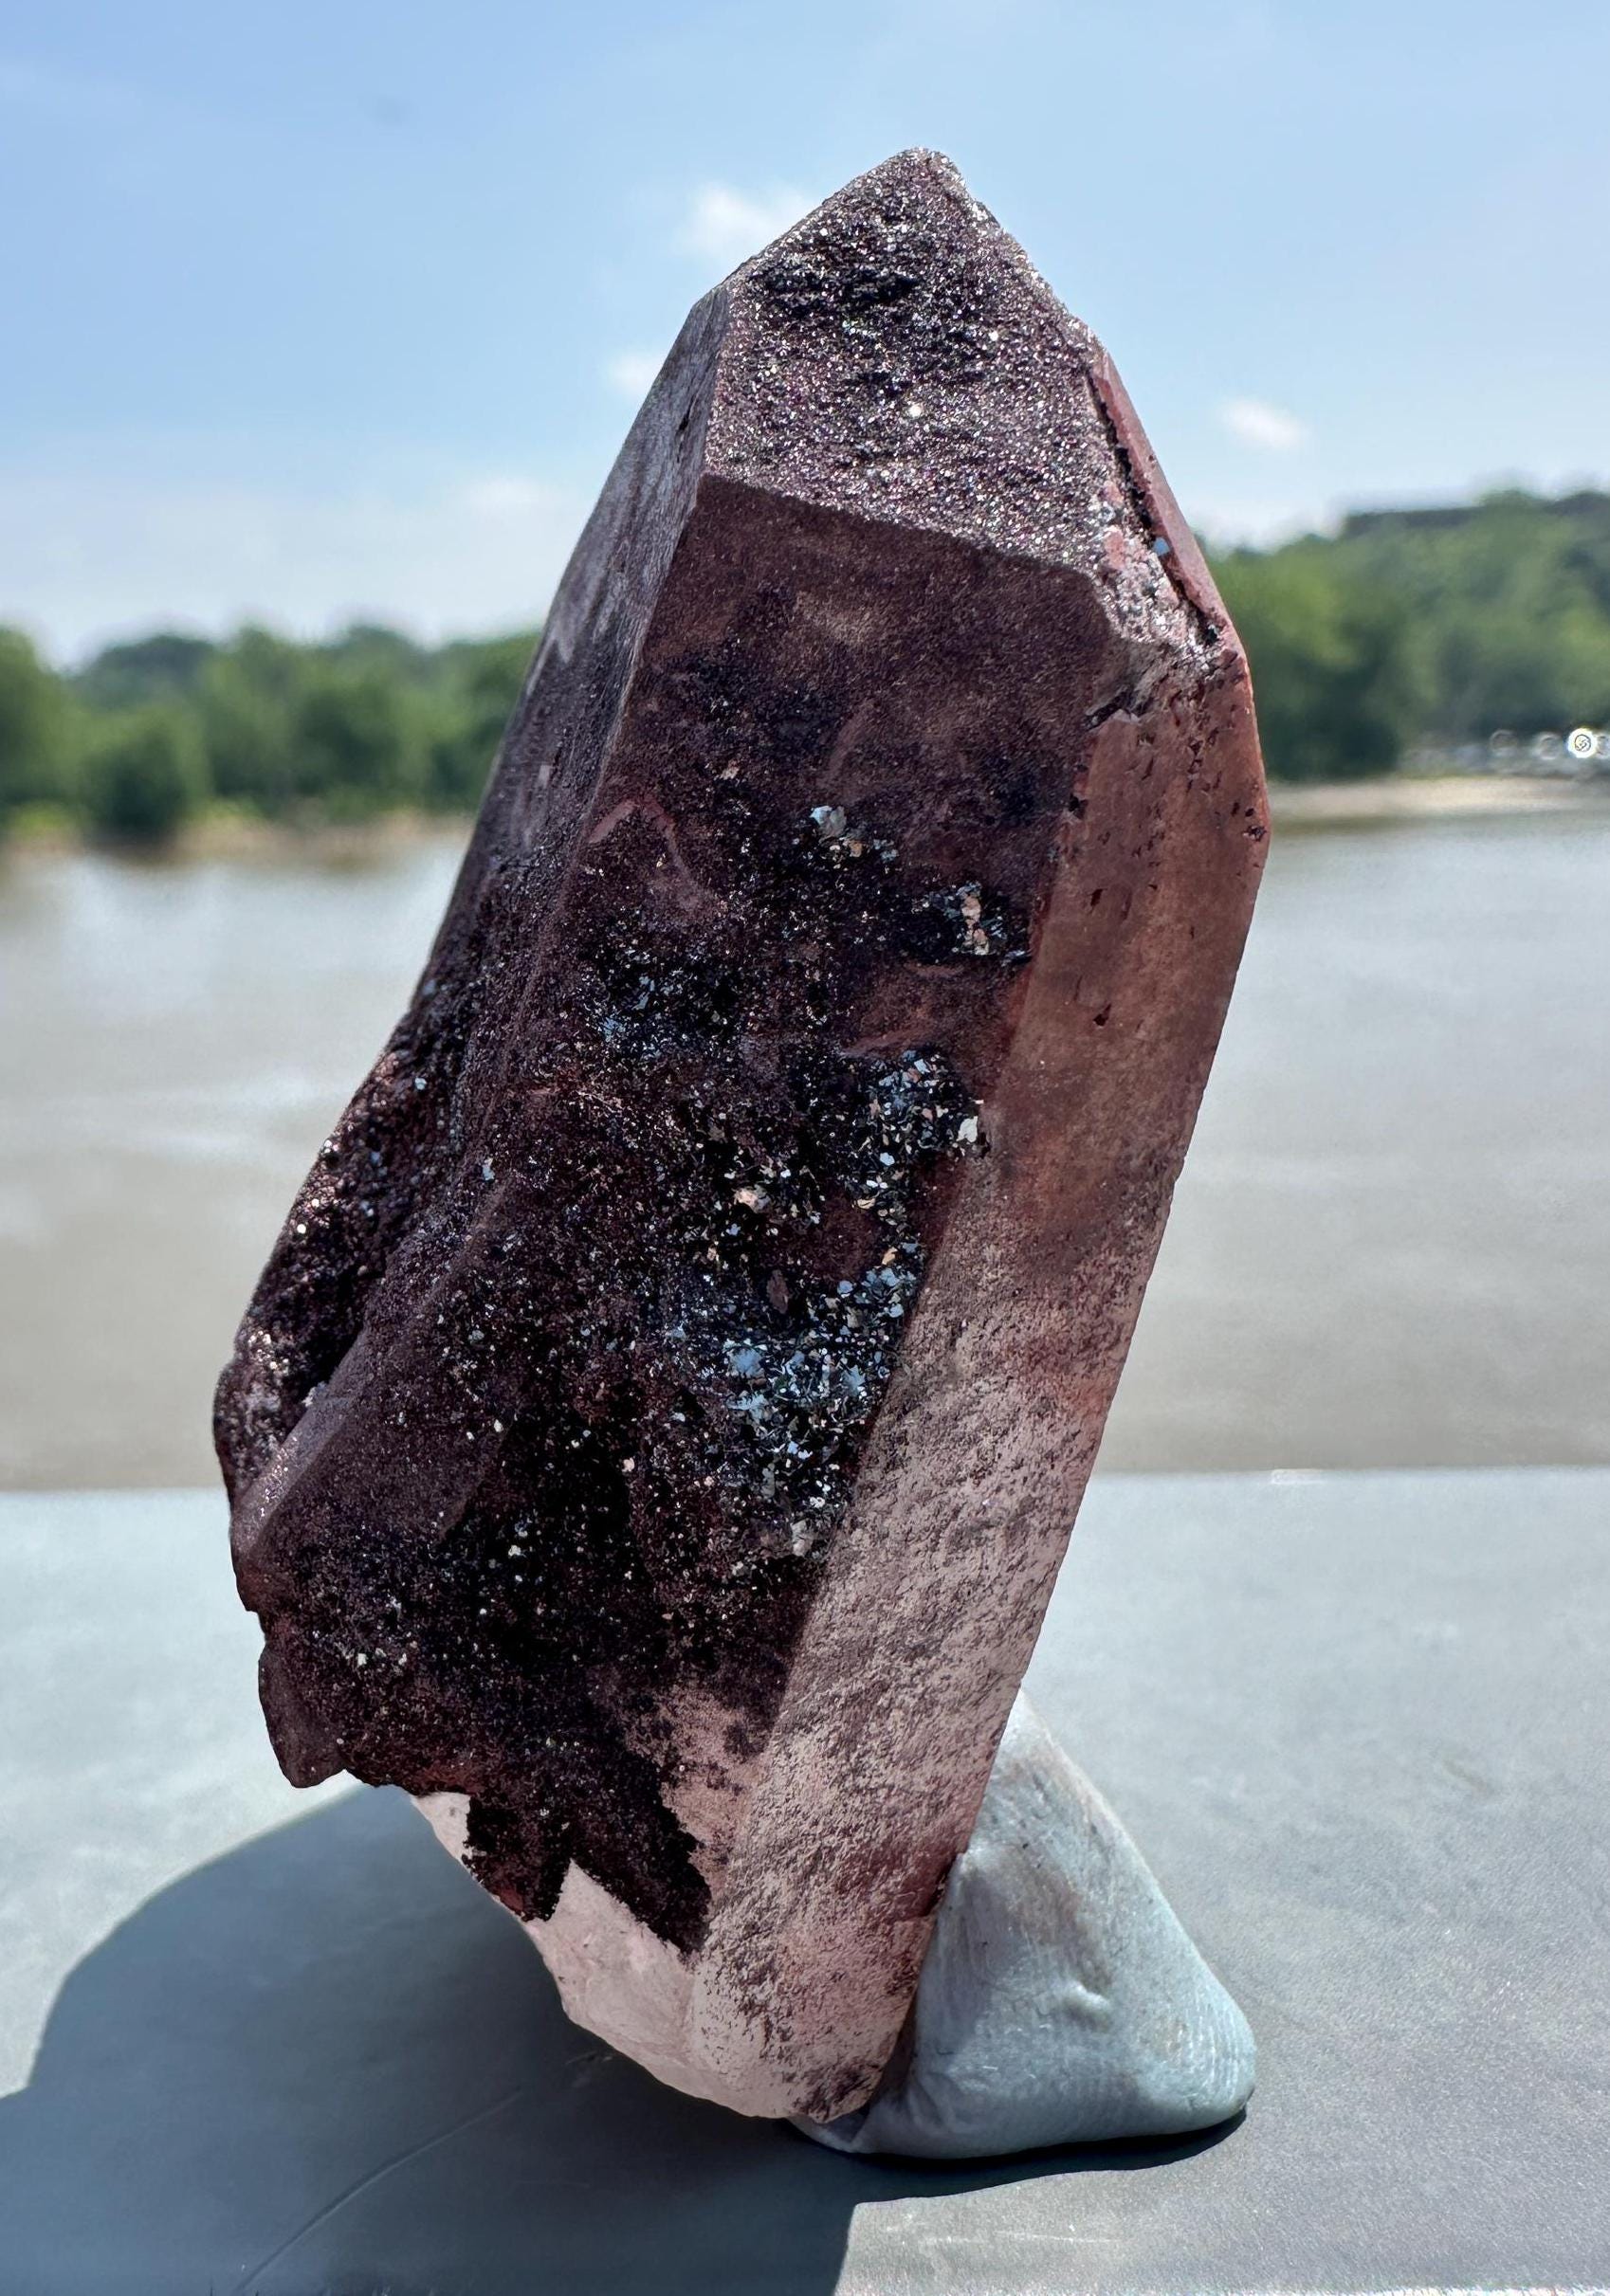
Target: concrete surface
(1360, 1726)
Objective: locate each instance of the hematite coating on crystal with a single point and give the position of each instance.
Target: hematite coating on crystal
(663, 1412)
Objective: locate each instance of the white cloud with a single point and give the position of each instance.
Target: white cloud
(82, 558)
(1256, 423)
(724, 225)
(630, 372)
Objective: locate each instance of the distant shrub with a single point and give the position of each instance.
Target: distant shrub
(481, 683)
(246, 699)
(145, 775)
(355, 742)
(1332, 670)
(162, 668)
(1505, 602)
(35, 751)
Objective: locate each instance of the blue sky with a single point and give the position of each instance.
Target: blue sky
(319, 310)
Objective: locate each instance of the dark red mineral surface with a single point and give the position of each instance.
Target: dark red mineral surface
(654, 1436)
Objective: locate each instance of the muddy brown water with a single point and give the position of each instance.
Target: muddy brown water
(1391, 1245)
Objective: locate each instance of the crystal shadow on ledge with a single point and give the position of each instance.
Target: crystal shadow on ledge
(324, 2060)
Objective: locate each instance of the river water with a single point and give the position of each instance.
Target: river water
(1391, 1245)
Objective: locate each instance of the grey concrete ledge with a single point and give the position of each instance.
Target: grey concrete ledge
(1357, 1724)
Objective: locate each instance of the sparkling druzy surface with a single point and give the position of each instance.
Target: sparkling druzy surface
(654, 1436)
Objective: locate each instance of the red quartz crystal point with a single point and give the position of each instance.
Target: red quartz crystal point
(655, 1436)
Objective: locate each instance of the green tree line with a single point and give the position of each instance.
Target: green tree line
(1435, 626)
(1406, 627)
(150, 733)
